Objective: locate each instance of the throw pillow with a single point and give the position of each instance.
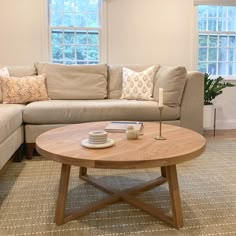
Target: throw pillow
(23, 90)
(138, 85)
(4, 72)
(172, 80)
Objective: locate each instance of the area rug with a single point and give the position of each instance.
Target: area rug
(28, 192)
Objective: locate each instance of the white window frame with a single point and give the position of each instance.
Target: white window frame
(102, 31)
(196, 41)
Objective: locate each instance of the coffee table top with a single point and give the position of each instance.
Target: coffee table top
(63, 145)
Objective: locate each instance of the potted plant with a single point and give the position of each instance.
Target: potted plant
(212, 89)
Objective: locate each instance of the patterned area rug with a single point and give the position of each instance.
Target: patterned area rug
(28, 192)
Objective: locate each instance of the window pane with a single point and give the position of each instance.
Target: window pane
(69, 5)
(57, 37)
(56, 5)
(69, 19)
(202, 40)
(213, 41)
(232, 41)
(222, 11)
(232, 24)
(223, 41)
(222, 24)
(92, 20)
(69, 37)
(212, 11)
(56, 19)
(80, 20)
(81, 52)
(212, 24)
(202, 24)
(232, 12)
(93, 38)
(81, 5)
(57, 52)
(222, 54)
(93, 6)
(81, 37)
(232, 54)
(69, 52)
(222, 69)
(232, 68)
(69, 62)
(202, 54)
(93, 53)
(202, 11)
(212, 54)
(212, 68)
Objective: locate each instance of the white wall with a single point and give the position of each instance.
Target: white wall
(151, 31)
(23, 38)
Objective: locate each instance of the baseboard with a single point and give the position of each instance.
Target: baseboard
(225, 124)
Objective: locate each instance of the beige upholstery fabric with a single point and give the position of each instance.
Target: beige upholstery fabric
(25, 89)
(19, 71)
(33, 131)
(75, 81)
(193, 102)
(77, 111)
(10, 145)
(116, 76)
(138, 85)
(172, 80)
(10, 120)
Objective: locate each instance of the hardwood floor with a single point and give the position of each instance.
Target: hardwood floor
(229, 134)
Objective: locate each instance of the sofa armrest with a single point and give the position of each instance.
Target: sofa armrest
(191, 114)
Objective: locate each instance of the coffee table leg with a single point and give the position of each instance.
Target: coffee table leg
(163, 171)
(172, 179)
(62, 194)
(82, 171)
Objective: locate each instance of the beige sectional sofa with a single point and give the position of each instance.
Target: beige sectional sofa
(87, 93)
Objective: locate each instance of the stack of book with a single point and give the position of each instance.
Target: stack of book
(121, 126)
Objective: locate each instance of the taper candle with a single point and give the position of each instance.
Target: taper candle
(160, 97)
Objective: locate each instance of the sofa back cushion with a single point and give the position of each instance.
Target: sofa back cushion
(172, 80)
(74, 81)
(116, 78)
(19, 71)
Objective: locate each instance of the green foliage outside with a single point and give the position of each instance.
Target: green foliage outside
(213, 88)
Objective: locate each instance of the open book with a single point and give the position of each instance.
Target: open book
(121, 126)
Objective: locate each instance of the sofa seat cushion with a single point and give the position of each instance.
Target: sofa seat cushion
(10, 119)
(78, 111)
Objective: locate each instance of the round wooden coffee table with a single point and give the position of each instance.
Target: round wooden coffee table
(63, 145)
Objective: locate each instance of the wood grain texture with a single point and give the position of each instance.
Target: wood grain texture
(63, 145)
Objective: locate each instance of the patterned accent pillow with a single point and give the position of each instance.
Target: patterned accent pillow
(138, 85)
(4, 72)
(23, 90)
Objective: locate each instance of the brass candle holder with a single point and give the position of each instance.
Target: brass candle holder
(159, 137)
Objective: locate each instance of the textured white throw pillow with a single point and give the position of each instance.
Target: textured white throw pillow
(4, 72)
(138, 85)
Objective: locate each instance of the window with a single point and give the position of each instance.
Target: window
(74, 31)
(217, 40)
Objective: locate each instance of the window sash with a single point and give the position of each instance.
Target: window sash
(74, 30)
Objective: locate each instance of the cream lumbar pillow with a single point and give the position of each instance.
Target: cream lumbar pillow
(23, 90)
(138, 85)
